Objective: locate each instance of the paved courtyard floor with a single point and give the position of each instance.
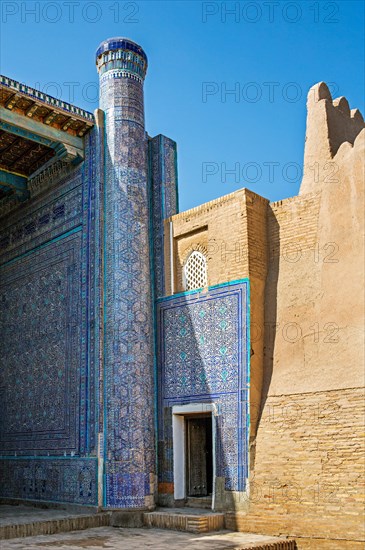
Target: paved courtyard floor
(135, 539)
(97, 537)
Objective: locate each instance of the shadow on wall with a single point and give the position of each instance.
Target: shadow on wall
(203, 359)
(270, 306)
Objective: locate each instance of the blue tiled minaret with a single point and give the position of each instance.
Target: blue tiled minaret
(129, 454)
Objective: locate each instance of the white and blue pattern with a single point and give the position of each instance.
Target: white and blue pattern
(203, 358)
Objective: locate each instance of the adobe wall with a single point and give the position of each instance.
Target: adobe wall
(304, 259)
(330, 123)
(306, 479)
(314, 292)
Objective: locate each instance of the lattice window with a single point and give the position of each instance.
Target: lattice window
(195, 271)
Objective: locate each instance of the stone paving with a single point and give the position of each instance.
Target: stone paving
(136, 539)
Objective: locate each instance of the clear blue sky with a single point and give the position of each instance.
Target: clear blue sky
(269, 52)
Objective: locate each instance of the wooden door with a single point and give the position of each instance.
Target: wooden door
(197, 440)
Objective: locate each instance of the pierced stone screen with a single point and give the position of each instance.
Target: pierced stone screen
(195, 271)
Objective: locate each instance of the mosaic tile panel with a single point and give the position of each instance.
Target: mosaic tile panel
(55, 480)
(49, 307)
(40, 308)
(164, 200)
(43, 219)
(129, 392)
(203, 358)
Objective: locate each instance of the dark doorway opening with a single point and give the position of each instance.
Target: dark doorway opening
(199, 448)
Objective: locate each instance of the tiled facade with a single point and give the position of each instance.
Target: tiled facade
(49, 368)
(82, 263)
(129, 438)
(101, 346)
(204, 358)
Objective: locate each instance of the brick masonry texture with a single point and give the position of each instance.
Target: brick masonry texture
(307, 478)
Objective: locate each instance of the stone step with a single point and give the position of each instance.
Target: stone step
(192, 520)
(200, 521)
(199, 502)
(29, 522)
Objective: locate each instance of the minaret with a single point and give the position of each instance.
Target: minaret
(129, 453)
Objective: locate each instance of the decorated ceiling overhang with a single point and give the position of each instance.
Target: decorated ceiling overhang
(36, 130)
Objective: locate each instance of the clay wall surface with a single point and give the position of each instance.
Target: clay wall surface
(304, 259)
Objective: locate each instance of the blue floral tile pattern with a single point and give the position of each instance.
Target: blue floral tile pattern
(203, 358)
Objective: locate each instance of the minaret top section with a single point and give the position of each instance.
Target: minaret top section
(122, 56)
